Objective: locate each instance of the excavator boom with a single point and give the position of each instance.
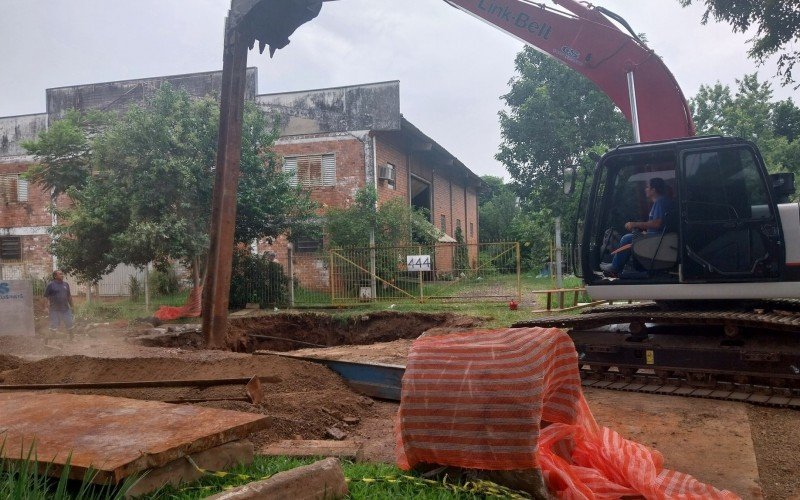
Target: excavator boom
(588, 42)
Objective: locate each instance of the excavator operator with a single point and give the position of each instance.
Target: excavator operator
(656, 192)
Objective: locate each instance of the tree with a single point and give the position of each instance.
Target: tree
(142, 191)
(751, 113)
(777, 25)
(497, 205)
(555, 117)
(394, 222)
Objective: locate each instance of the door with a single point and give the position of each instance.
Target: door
(730, 229)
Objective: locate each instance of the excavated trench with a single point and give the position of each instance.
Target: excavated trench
(290, 331)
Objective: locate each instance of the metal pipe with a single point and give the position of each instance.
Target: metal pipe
(634, 108)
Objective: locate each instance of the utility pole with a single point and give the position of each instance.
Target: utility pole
(270, 22)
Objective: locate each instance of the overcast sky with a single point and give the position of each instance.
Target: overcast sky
(452, 68)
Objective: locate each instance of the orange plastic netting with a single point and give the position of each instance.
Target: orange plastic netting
(191, 309)
(477, 399)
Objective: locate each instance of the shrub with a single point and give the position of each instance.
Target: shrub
(164, 282)
(257, 279)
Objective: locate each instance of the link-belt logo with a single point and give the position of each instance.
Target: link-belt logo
(519, 19)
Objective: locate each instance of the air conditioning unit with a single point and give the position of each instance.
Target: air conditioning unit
(386, 172)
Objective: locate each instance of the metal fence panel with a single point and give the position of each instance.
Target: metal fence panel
(454, 272)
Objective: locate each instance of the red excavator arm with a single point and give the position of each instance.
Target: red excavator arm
(588, 42)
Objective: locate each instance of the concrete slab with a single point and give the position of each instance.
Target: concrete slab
(321, 480)
(708, 439)
(314, 448)
(179, 471)
(115, 436)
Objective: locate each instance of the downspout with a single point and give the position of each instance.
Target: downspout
(372, 268)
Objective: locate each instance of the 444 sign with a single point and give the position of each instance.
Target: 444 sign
(418, 262)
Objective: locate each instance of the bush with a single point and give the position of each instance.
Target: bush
(164, 282)
(256, 279)
(135, 288)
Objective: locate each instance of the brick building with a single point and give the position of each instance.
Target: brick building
(336, 141)
(340, 140)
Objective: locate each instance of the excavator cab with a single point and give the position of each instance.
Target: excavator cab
(723, 226)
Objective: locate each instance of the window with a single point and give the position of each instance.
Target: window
(443, 223)
(13, 189)
(311, 171)
(458, 223)
(307, 245)
(724, 185)
(471, 230)
(10, 248)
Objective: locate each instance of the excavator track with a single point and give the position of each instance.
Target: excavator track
(738, 354)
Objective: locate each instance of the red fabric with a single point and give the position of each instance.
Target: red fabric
(191, 309)
(476, 400)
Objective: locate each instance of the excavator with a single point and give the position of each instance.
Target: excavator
(712, 292)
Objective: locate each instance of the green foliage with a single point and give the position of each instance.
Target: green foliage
(141, 185)
(395, 223)
(25, 479)
(751, 113)
(460, 252)
(135, 288)
(555, 117)
(164, 282)
(257, 279)
(64, 152)
(497, 205)
(776, 23)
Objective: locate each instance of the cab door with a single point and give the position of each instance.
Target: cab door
(729, 225)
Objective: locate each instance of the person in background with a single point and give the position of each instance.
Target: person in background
(656, 192)
(60, 303)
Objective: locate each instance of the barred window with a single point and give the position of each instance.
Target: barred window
(13, 189)
(311, 171)
(471, 230)
(443, 223)
(306, 245)
(10, 248)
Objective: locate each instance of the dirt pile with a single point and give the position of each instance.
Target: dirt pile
(9, 362)
(308, 400)
(323, 330)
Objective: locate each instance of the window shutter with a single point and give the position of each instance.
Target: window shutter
(22, 189)
(290, 167)
(329, 170)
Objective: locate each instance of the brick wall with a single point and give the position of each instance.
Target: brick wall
(390, 150)
(350, 174)
(29, 220)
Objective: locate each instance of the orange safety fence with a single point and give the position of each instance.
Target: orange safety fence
(191, 309)
(478, 399)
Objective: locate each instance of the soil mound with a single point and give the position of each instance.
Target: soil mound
(308, 400)
(9, 362)
(323, 330)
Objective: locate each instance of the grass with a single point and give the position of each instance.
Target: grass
(365, 481)
(27, 479)
(124, 309)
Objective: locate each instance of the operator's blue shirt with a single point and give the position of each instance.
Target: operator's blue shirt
(661, 206)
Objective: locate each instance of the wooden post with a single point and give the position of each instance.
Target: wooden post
(223, 212)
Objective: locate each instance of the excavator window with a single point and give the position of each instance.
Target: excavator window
(730, 229)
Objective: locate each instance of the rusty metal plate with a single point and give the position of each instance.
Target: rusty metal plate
(116, 437)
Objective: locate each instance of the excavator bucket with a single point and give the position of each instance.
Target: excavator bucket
(271, 22)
